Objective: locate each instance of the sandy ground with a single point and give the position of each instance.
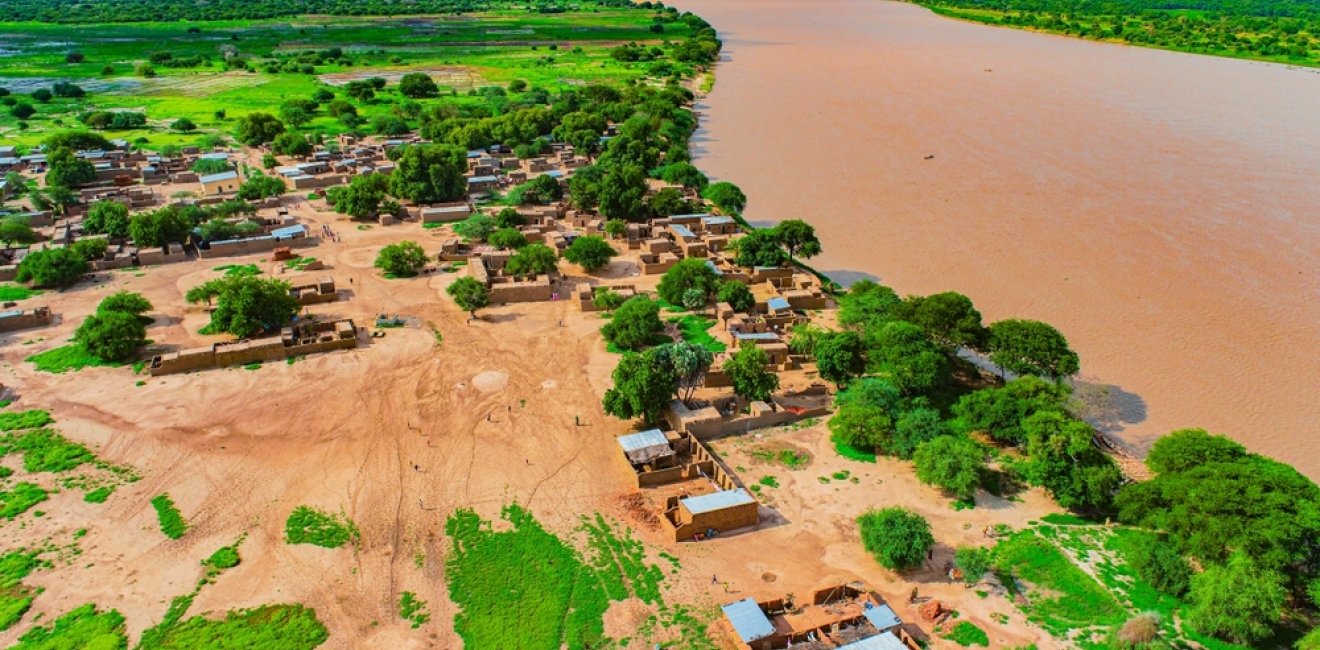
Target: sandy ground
(1157, 207)
(488, 417)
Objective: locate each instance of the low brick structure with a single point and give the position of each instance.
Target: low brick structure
(299, 339)
(20, 319)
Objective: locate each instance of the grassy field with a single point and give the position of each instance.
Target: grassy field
(549, 51)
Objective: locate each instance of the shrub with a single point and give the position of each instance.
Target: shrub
(54, 267)
(171, 522)
(403, 259)
(111, 335)
(636, 324)
(1163, 567)
(307, 525)
(592, 253)
(896, 537)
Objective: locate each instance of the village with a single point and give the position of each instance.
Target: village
(682, 487)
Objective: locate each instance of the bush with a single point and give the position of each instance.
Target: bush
(111, 336)
(507, 238)
(898, 538)
(171, 522)
(469, 294)
(533, 259)
(475, 228)
(90, 248)
(953, 463)
(636, 324)
(16, 232)
(403, 259)
(974, 562)
(54, 267)
(126, 302)
(108, 218)
(1163, 567)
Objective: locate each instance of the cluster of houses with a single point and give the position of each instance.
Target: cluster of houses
(841, 616)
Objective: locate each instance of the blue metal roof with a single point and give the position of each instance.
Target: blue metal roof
(882, 641)
(214, 156)
(882, 617)
(756, 336)
(11, 313)
(777, 303)
(288, 232)
(704, 215)
(642, 440)
(554, 173)
(483, 179)
(717, 500)
(222, 176)
(715, 221)
(683, 231)
(748, 620)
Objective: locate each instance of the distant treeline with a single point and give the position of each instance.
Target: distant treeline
(1264, 29)
(124, 11)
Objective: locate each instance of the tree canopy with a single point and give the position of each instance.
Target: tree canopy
(897, 538)
(245, 305)
(402, 259)
(107, 217)
(689, 273)
(635, 324)
(53, 267)
(591, 253)
(1028, 347)
(430, 173)
(533, 259)
(644, 384)
(751, 379)
(952, 463)
(469, 294)
(111, 335)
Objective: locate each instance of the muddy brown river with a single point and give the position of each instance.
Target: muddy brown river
(1162, 209)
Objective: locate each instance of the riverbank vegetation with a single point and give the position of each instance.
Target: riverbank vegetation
(1283, 31)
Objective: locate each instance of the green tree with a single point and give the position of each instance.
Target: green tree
(867, 302)
(291, 143)
(952, 463)
(206, 166)
(53, 267)
(622, 192)
(126, 302)
(111, 335)
(22, 110)
(107, 217)
(245, 305)
(901, 351)
(475, 228)
(685, 174)
(1161, 566)
(256, 129)
(635, 324)
(914, 427)
(417, 85)
(430, 173)
(863, 427)
(507, 238)
(1065, 461)
(999, 412)
(509, 218)
(469, 294)
(607, 299)
(616, 228)
(1028, 347)
(1237, 601)
(259, 186)
(974, 562)
(13, 232)
(839, 357)
(799, 237)
(361, 198)
(949, 319)
(183, 125)
(689, 273)
(1186, 449)
(644, 384)
(1311, 641)
(532, 259)
(736, 294)
(589, 252)
(690, 362)
(76, 141)
(897, 538)
(759, 248)
(64, 169)
(42, 95)
(90, 248)
(726, 196)
(155, 229)
(403, 259)
(747, 371)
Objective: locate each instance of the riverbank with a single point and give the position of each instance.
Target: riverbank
(1117, 193)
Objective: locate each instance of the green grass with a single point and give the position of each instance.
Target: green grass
(695, 329)
(68, 357)
(13, 420)
(841, 475)
(1061, 596)
(171, 522)
(413, 609)
(98, 495)
(658, 339)
(255, 365)
(307, 525)
(15, 599)
(239, 270)
(12, 292)
(299, 263)
(967, 634)
(225, 557)
(560, 594)
(83, 628)
(852, 453)
(790, 458)
(286, 627)
(769, 481)
(45, 450)
(21, 498)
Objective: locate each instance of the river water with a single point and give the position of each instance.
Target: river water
(1162, 209)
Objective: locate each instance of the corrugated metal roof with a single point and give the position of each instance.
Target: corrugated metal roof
(222, 176)
(642, 440)
(717, 500)
(288, 231)
(483, 179)
(882, 617)
(882, 641)
(12, 312)
(683, 231)
(690, 216)
(714, 221)
(554, 173)
(756, 336)
(777, 303)
(748, 620)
